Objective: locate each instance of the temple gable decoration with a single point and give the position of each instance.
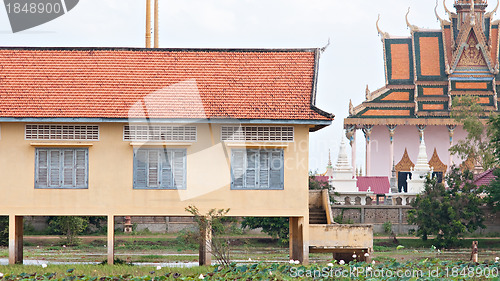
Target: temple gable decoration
(436, 163)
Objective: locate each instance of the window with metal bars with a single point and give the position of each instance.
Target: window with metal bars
(61, 168)
(159, 133)
(257, 133)
(61, 132)
(159, 168)
(257, 169)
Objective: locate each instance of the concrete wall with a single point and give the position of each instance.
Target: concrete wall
(398, 216)
(341, 236)
(110, 190)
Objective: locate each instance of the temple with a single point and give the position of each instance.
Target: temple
(424, 72)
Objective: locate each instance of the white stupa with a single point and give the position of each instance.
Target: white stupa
(416, 184)
(420, 171)
(342, 180)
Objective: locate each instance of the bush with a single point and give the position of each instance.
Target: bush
(70, 227)
(275, 227)
(387, 227)
(4, 231)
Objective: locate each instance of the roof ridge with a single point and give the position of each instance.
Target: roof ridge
(271, 50)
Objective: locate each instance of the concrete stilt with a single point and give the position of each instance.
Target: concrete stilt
(15, 239)
(205, 255)
(299, 250)
(111, 239)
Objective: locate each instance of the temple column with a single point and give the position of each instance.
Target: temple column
(367, 131)
(451, 130)
(392, 130)
(15, 239)
(350, 133)
(421, 129)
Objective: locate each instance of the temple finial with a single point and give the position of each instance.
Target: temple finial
(489, 14)
(368, 94)
(437, 16)
(412, 27)
(384, 35)
(351, 108)
(473, 13)
(446, 9)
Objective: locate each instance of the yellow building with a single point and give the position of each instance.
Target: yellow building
(148, 132)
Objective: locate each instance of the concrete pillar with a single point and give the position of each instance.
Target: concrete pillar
(15, 239)
(111, 239)
(205, 250)
(299, 239)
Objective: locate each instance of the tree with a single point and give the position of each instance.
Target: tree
(450, 212)
(4, 231)
(493, 191)
(315, 184)
(70, 227)
(214, 220)
(276, 227)
(468, 112)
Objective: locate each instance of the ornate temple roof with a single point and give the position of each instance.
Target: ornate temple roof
(427, 69)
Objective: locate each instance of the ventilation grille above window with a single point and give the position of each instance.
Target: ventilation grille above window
(257, 133)
(158, 133)
(62, 132)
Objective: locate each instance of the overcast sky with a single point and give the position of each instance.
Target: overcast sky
(353, 60)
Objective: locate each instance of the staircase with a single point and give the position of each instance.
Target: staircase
(317, 216)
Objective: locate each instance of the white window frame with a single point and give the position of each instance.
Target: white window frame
(257, 133)
(61, 169)
(57, 132)
(155, 133)
(174, 167)
(243, 168)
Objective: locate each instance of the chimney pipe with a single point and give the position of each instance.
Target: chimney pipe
(157, 33)
(148, 23)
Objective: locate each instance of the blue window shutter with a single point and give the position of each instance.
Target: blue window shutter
(179, 164)
(153, 168)
(54, 168)
(237, 167)
(81, 170)
(277, 169)
(264, 169)
(42, 172)
(252, 162)
(141, 160)
(68, 174)
(167, 179)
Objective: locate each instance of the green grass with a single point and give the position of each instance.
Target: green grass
(420, 244)
(101, 270)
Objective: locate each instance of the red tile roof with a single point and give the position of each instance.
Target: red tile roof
(159, 83)
(379, 185)
(484, 178)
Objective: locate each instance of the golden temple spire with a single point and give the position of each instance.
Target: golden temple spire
(384, 35)
(412, 27)
(473, 13)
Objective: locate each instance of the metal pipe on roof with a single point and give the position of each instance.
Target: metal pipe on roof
(148, 23)
(156, 31)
